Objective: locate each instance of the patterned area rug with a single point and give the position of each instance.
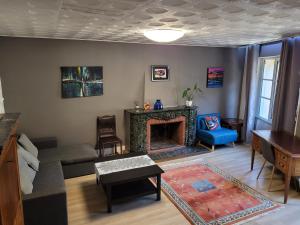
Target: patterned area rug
(208, 196)
(179, 152)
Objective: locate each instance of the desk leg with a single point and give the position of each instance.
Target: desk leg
(108, 195)
(252, 158)
(287, 182)
(158, 186)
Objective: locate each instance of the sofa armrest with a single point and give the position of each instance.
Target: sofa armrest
(45, 142)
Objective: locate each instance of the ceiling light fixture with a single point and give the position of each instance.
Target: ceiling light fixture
(163, 35)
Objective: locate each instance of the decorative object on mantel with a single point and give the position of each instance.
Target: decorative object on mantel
(207, 195)
(215, 77)
(81, 81)
(147, 106)
(158, 105)
(136, 103)
(2, 110)
(159, 73)
(189, 93)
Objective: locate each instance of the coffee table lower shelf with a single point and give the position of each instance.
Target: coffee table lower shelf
(130, 190)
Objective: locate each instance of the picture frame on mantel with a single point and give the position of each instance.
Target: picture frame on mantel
(159, 73)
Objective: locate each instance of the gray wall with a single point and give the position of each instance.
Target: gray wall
(30, 71)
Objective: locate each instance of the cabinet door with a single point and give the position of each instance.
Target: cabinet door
(10, 199)
(256, 143)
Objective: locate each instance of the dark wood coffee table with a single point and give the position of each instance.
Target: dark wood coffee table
(128, 183)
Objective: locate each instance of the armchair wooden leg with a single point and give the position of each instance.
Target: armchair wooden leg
(273, 170)
(261, 169)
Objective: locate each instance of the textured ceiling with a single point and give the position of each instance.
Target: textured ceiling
(206, 22)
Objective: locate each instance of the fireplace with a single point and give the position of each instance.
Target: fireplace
(171, 126)
(165, 134)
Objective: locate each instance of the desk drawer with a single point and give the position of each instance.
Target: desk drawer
(256, 143)
(281, 161)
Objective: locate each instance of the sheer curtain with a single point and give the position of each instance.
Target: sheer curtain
(251, 83)
(288, 82)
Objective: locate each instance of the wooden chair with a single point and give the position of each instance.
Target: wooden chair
(106, 134)
(269, 156)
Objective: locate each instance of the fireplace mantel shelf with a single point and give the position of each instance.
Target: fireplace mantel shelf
(167, 109)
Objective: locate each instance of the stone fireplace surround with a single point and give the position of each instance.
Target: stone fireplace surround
(181, 120)
(136, 121)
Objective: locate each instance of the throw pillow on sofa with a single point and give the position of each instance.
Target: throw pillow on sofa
(31, 160)
(27, 144)
(212, 122)
(25, 176)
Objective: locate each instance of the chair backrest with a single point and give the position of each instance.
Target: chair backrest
(268, 152)
(106, 126)
(201, 120)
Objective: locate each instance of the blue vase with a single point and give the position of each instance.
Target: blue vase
(158, 105)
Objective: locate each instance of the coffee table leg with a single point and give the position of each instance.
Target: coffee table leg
(108, 195)
(158, 186)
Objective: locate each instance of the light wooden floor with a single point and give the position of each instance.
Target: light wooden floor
(86, 201)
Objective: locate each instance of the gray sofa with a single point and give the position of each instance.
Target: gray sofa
(47, 204)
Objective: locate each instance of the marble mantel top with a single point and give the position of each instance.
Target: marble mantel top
(167, 109)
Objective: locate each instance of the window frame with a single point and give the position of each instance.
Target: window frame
(273, 90)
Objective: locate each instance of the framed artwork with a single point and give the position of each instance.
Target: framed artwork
(159, 73)
(81, 81)
(215, 77)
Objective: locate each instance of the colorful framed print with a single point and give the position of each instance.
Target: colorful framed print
(215, 76)
(159, 73)
(81, 81)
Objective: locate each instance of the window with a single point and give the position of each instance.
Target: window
(268, 78)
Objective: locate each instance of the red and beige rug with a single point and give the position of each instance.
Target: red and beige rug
(207, 195)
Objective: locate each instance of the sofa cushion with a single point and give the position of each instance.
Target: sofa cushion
(49, 155)
(69, 154)
(212, 122)
(49, 180)
(25, 180)
(31, 160)
(27, 144)
(201, 125)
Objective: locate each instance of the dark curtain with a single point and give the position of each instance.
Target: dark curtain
(252, 79)
(287, 90)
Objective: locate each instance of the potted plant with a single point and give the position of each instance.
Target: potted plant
(189, 93)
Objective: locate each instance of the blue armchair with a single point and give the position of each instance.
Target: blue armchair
(219, 136)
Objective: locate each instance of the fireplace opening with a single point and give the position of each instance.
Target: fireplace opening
(164, 136)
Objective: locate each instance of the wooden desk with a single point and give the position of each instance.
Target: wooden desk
(287, 153)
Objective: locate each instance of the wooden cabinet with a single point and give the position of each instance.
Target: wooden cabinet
(11, 210)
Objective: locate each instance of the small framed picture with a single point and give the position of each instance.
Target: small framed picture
(159, 73)
(215, 76)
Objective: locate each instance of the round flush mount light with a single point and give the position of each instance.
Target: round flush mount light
(163, 35)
